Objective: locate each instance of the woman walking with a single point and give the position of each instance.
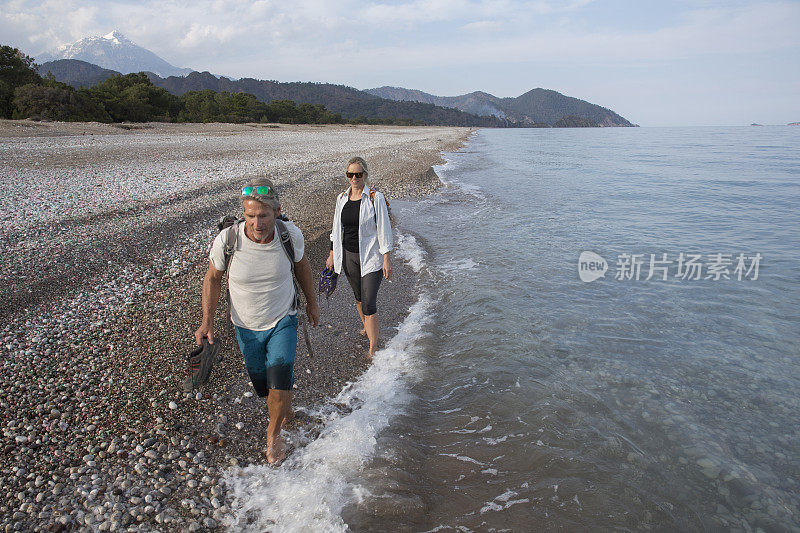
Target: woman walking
(361, 241)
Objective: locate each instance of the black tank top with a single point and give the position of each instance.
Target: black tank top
(350, 217)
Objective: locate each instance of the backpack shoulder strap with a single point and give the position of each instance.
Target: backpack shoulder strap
(286, 241)
(230, 240)
(372, 198)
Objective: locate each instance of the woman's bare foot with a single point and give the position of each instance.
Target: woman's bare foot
(276, 452)
(363, 332)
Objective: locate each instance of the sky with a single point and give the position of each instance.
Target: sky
(656, 63)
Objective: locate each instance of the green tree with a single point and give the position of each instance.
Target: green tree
(198, 106)
(245, 107)
(133, 97)
(284, 111)
(16, 70)
(54, 101)
(210, 106)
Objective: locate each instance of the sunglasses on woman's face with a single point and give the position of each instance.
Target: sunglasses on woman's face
(357, 175)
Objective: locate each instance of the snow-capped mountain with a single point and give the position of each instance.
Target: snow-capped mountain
(115, 52)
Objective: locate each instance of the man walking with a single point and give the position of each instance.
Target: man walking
(263, 299)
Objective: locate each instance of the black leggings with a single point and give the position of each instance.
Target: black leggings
(365, 288)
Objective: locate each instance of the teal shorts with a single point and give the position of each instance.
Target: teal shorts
(269, 355)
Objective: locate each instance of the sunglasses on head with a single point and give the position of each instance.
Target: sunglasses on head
(358, 175)
(261, 190)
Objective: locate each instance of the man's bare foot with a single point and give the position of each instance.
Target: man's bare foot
(276, 452)
(363, 332)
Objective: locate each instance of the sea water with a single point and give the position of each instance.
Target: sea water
(605, 337)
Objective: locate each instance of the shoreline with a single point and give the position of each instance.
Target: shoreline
(109, 421)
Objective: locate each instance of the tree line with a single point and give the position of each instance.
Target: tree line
(349, 102)
(134, 98)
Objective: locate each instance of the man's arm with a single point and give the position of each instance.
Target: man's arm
(302, 270)
(211, 290)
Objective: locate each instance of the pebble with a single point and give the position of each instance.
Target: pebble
(87, 446)
(710, 468)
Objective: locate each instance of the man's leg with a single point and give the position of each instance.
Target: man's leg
(253, 347)
(278, 404)
(281, 348)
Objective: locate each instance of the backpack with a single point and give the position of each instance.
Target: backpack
(231, 226)
(372, 199)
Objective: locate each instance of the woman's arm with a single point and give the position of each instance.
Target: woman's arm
(384, 225)
(387, 265)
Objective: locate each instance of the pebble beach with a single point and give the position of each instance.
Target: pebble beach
(105, 231)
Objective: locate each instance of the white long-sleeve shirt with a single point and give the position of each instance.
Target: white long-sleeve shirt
(374, 232)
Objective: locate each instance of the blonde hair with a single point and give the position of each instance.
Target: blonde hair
(360, 161)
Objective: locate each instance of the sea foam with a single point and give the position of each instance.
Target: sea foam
(310, 489)
(411, 251)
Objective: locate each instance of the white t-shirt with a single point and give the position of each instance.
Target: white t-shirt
(260, 278)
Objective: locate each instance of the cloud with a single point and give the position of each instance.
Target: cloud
(418, 11)
(756, 29)
(43, 25)
(483, 25)
(191, 25)
(199, 35)
(377, 42)
(383, 34)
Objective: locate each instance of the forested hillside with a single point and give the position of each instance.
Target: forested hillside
(134, 98)
(351, 105)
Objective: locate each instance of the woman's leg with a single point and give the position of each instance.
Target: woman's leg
(372, 327)
(352, 269)
(369, 307)
(363, 331)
